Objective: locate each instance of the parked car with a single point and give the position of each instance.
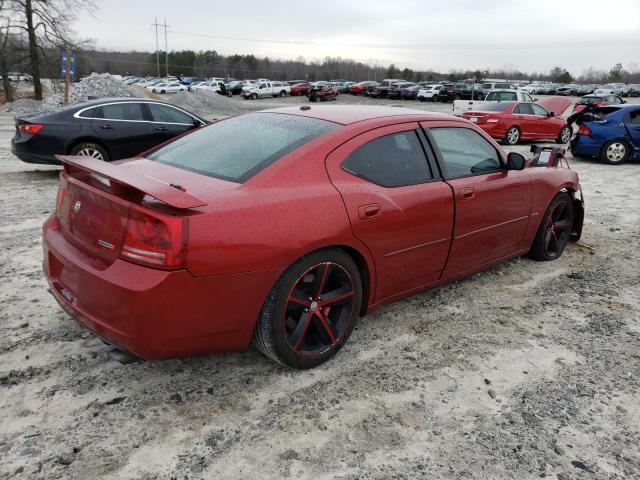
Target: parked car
(235, 87)
(512, 122)
(399, 90)
(360, 87)
(634, 90)
(460, 106)
(447, 93)
(322, 93)
(532, 88)
(567, 90)
(487, 87)
(386, 86)
(192, 87)
(300, 89)
(106, 129)
(167, 87)
(597, 101)
(609, 133)
(183, 274)
(265, 89)
(210, 85)
(467, 91)
(429, 92)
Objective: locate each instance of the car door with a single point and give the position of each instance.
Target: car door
(123, 128)
(168, 122)
(632, 123)
(522, 117)
(492, 204)
(398, 205)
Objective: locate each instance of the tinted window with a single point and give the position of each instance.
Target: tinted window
(162, 113)
(538, 110)
(91, 113)
(495, 107)
(634, 117)
(390, 161)
(219, 151)
(523, 109)
(465, 152)
(122, 111)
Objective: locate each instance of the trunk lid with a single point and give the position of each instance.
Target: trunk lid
(96, 199)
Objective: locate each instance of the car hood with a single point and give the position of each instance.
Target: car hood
(556, 104)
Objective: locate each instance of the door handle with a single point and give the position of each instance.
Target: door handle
(106, 127)
(161, 129)
(366, 212)
(468, 193)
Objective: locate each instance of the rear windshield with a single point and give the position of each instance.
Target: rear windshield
(590, 100)
(494, 106)
(238, 148)
(502, 96)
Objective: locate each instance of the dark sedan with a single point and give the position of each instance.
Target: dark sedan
(107, 129)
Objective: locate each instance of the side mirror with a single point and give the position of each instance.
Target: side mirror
(515, 161)
(552, 114)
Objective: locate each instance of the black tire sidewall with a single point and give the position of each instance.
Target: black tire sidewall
(275, 310)
(538, 251)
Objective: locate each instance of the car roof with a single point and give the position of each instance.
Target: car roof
(348, 114)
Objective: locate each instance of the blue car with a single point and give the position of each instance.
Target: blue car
(611, 133)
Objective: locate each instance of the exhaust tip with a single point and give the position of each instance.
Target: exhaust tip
(123, 357)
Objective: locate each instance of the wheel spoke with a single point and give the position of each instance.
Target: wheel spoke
(296, 296)
(547, 239)
(297, 337)
(322, 273)
(337, 296)
(327, 325)
(554, 240)
(562, 225)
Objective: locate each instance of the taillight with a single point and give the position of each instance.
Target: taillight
(584, 130)
(156, 242)
(30, 128)
(492, 120)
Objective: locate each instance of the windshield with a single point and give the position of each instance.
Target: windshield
(590, 100)
(238, 148)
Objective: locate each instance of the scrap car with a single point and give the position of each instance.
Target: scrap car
(173, 267)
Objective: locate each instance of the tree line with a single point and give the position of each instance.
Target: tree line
(34, 33)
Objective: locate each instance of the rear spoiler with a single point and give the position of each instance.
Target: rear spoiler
(122, 181)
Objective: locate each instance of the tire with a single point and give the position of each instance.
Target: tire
(512, 137)
(565, 135)
(435, 98)
(153, 90)
(283, 94)
(90, 149)
(162, 91)
(254, 96)
(615, 152)
(322, 328)
(555, 229)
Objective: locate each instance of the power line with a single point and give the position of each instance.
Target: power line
(432, 46)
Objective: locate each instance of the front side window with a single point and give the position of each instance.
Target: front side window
(465, 152)
(122, 111)
(391, 161)
(219, 151)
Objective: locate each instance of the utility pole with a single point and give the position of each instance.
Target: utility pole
(166, 49)
(67, 75)
(157, 50)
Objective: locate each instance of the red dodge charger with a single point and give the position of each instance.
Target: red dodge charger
(285, 238)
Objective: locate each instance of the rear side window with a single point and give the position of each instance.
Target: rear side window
(524, 109)
(122, 111)
(162, 113)
(465, 152)
(238, 148)
(94, 112)
(634, 117)
(390, 161)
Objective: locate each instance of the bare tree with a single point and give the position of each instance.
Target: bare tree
(5, 32)
(46, 23)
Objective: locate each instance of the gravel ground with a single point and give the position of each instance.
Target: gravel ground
(526, 370)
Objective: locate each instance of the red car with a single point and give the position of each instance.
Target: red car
(597, 101)
(300, 89)
(326, 214)
(360, 87)
(515, 121)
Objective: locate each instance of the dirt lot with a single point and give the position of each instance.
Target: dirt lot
(527, 370)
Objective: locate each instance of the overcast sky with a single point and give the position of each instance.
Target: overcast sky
(531, 35)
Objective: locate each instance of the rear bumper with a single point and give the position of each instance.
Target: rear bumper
(584, 146)
(23, 150)
(153, 314)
